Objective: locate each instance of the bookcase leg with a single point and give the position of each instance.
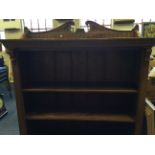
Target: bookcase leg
(19, 99)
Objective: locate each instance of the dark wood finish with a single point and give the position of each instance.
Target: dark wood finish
(95, 31)
(19, 98)
(81, 117)
(81, 90)
(94, 27)
(80, 80)
(145, 57)
(67, 44)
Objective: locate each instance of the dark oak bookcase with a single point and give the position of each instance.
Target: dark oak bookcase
(80, 86)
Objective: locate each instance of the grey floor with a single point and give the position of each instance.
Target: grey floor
(9, 123)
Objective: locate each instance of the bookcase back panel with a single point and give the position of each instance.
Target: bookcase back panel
(78, 128)
(80, 102)
(88, 67)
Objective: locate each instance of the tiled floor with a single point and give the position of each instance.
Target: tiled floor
(9, 123)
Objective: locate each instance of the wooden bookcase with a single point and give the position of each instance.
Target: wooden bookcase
(80, 86)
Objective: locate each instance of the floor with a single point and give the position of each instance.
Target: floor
(9, 123)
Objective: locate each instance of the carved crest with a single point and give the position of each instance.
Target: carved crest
(95, 31)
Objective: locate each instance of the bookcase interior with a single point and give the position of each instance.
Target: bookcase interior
(92, 103)
(103, 67)
(79, 127)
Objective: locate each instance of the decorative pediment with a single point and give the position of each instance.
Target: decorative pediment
(95, 31)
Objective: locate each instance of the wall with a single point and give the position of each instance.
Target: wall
(13, 30)
(10, 24)
(13, 34)
(126, 26)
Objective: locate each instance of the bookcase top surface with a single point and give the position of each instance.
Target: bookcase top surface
(12, 44)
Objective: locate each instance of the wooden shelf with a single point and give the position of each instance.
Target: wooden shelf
(81, 117)
(81, 90)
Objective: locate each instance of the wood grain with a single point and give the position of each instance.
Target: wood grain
(81, 117)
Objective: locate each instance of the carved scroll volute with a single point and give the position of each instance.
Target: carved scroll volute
(66, 27)
(94, 26)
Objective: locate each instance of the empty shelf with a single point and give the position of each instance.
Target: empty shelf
(82, 90)
(81, 117)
